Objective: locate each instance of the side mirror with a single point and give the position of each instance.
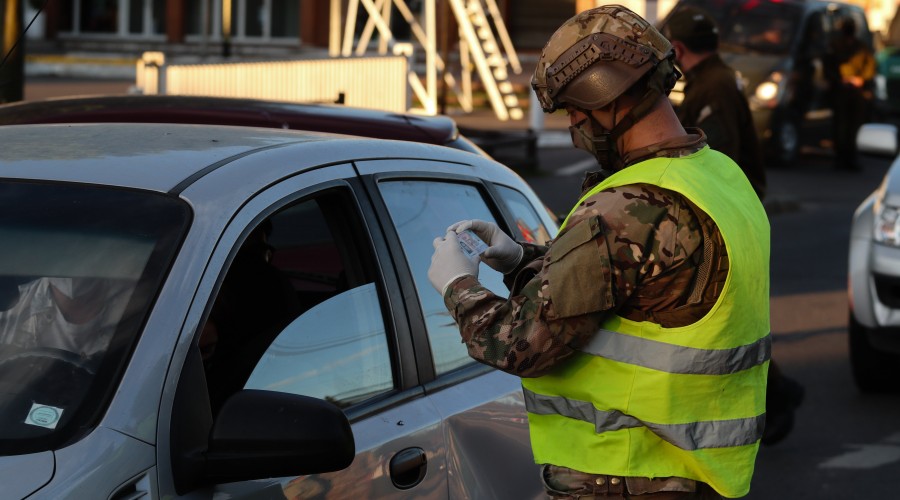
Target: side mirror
(263, 434)
(877, 139)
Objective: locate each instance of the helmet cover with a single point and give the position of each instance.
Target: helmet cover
(596, 56)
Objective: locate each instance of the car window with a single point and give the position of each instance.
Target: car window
(80, 267)
(529, 227)
(298, 310)
(421, 211)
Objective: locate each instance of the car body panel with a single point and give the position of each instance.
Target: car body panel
(76, 466)
(868, 258)
(31, 472)
(469, 425)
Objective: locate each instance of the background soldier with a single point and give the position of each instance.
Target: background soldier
(713, 93)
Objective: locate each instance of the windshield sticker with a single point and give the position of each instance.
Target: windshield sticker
(43, 416)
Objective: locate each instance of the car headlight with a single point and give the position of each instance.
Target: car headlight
(767, 92)
(887, 224)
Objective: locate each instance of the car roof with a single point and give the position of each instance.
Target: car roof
(233, 111)
(168, 157)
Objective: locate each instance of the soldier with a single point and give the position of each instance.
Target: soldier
(714, 99)
(642, 331)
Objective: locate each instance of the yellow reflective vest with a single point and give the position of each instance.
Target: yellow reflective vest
(641, 400)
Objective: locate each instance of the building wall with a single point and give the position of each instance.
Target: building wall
(283, 26)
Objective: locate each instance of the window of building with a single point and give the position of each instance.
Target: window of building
(265, 19)
(125, 18)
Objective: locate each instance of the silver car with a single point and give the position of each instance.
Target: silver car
(874, 271)
(191, 311)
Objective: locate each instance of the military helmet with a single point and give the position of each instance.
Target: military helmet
(596, 56)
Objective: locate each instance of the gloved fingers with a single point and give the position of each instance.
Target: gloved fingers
(485, 230)
(458, 227)
(491, 251)
(437, 242)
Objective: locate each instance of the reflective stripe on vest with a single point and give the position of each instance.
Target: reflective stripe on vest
(677, 359)
(690, 436)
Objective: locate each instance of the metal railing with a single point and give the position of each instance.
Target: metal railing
(378, 82)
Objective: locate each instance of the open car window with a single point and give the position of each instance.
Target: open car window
(299, 310)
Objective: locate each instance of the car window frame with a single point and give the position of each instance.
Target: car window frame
(430, 380)
(264, 204)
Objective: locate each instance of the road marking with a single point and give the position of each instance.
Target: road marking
(867, 456)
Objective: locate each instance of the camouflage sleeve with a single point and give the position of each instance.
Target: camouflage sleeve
(559, 299)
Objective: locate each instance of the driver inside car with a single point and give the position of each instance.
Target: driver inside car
(74, 314)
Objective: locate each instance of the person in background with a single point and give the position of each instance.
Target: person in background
(714, 98)
(641, 332)
(850, 69)
(714, 101)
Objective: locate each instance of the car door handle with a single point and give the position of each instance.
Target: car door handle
(408, 467)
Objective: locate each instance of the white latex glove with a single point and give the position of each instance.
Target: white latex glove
(449, 262)
(503, 253)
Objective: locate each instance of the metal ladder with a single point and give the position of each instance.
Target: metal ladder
(493, 61)
(477, 20)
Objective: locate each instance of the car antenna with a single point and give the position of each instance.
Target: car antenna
(22, 34)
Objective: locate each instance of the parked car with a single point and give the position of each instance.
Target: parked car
(336, 119)
(780, 48)
(874, 271)
(234, 286)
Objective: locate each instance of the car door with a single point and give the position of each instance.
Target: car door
(305, 300)
(482, 411)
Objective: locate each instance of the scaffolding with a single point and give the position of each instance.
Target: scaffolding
(484, 48)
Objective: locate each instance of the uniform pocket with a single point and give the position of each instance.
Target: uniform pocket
(578, 275)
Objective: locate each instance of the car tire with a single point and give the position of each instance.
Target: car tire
(784, 145)
(873, 370)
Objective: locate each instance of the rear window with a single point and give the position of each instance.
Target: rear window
(753, 25)
(80, 267)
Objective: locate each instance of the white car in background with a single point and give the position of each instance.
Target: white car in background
(874, 272)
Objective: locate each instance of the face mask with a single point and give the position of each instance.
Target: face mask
(585, 137)
(74, 288)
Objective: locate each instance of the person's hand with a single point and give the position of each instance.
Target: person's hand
(449, 262)
(503, 253)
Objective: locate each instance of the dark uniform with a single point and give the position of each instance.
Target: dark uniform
(713, 101)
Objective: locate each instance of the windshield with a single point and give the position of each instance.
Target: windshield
(79, 269)
(766, 26)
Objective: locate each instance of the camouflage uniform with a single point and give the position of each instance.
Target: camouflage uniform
(640, 245)
(647, 253)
